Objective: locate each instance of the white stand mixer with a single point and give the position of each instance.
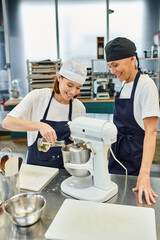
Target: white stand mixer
(97, 135)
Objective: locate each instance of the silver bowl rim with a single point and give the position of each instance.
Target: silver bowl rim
(81, 144)
(21, 195)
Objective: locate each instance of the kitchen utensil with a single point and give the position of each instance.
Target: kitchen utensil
(9, 186)
(76, 154)
(100, 221)
(15, 89)
(154, 51)
(89, 167)
(12, 166)
(2, 172)
(25, 209)
(3, 162)
(20, 160)
(43, 145)
(34, 178)
(5, 154)
(15, 93)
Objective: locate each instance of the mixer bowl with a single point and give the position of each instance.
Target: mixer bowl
(76, 157)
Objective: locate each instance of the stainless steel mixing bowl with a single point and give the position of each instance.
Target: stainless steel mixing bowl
(25, 209)
(76, 157)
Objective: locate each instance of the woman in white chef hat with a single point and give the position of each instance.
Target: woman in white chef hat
(45, 113)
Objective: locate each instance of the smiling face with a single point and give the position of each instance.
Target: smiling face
(124, 69)
(68, 89)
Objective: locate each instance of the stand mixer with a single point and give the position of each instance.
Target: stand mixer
(86, 160)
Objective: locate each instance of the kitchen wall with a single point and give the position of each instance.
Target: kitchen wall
(135, 19)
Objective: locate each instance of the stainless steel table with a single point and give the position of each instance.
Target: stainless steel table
(55, 198)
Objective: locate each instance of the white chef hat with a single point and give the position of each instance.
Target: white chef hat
(74, 70)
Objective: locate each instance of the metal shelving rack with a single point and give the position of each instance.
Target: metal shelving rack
(42, 74)
(87, 89)
(156, 76)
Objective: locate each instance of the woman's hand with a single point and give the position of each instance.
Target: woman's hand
(143, 185)
(149, 144)
(47, 132)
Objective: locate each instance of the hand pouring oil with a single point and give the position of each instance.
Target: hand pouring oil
(43, 145)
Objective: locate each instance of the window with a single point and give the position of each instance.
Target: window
(80, 23)
(38, 29)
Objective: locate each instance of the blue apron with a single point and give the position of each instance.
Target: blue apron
(52, 158)
(129, 146)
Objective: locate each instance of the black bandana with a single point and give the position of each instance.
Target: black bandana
(120, 48)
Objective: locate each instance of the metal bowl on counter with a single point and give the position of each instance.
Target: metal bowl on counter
(76, 154)
(25, 209)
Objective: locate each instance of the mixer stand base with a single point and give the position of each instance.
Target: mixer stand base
(91, 193)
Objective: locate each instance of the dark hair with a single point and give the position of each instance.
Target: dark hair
(56, 86)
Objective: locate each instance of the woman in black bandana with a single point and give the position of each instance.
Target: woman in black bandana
(136, 116)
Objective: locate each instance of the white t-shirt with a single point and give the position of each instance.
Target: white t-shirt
(146, 99)
(34, 104)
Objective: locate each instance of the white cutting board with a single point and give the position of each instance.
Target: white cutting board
(34, 177)
(84, 220)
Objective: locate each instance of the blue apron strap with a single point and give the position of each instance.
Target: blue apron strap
(118, 93)
(135, 84)
(45, 114)
(70, 109)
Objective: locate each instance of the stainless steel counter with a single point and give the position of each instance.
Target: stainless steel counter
(3, 114)
(55, 198)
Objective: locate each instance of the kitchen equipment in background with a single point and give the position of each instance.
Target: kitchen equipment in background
(147, 53)
(156, 38)
(154, 51)
(94, 184)
(105, 90)
(102, 90)
(25, 209)
(98, 221)
(35, 178)
(86, 90)
(100, 47)
(103, 95)
(42, 74)
(111, 86)
(15, 89)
